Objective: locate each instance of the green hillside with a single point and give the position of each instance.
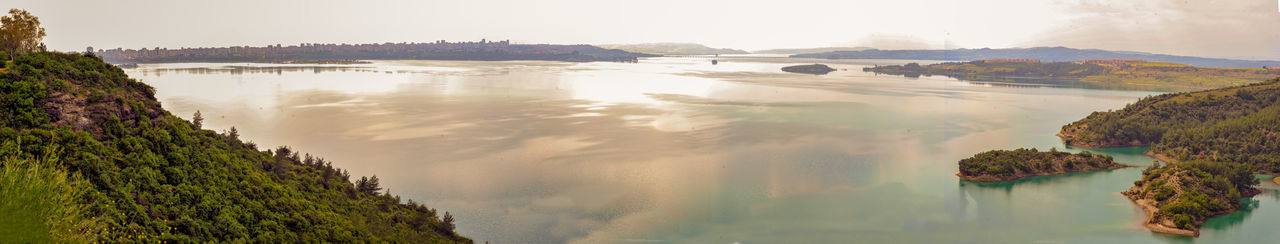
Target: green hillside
(1236, 124)
(89, 154)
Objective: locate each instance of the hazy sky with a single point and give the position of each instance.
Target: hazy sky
(1237, 28)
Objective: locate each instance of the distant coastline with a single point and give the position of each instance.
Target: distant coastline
(1119, 71)
(1045, 54)
(312, 53)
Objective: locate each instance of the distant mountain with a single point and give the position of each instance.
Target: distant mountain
(1044, 54)
(672, 49)
(809, 50)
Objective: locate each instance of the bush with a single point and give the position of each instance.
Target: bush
(1183, 221)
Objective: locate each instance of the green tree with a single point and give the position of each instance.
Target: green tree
(448, 221)
(197, 120)
(368, 185)
(20, 32)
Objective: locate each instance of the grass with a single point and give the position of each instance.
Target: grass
(39, 204)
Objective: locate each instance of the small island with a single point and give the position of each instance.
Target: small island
(1006, 165)
(1179, 197)
(817, 69)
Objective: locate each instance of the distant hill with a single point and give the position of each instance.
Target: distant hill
(809, 50)
(672, 49)
(1044, 54)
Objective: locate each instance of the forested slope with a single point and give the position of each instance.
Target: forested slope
(145, 175)
(1236, 124)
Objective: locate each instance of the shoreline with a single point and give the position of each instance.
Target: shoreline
(997, 179)
(1151, 209)
(1062, 136)
(1161, 157)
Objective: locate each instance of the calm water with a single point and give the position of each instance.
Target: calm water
(679, 150)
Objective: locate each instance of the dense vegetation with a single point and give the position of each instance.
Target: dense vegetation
(40, 204)
(1046, 54)
(1139, 73)
(1237, 124)
(149, 176)
(1003, 165)
(1179, 197)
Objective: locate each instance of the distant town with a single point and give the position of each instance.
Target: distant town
(318, 52)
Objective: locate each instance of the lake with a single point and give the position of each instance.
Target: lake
(678, 150)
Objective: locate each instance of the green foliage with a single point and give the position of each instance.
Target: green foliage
(1191, 192)
(1237, 124)
(20, 32)
(40, 203)
(1007, 163)
(368, 186)
(150, 176)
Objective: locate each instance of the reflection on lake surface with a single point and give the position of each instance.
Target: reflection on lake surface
(679, 150)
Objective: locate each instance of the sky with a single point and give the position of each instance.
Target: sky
(1247, 29)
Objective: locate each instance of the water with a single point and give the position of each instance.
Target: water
(679, 150)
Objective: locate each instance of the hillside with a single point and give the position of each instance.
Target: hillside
(1132, 73)
(672, 49)
(1005, 165)
(1044, 54)
(75, 128)
(1235, 124)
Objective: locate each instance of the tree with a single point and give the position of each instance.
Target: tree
(368, 185)
(197, 120)
(20, 32)
(448, 222)
(233, 133)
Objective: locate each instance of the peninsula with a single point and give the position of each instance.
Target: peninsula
(1214, 141)
(1236, 124)
(483, 50)
(1179, 197)
(1006, 165)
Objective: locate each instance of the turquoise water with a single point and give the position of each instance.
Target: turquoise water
(677, 150)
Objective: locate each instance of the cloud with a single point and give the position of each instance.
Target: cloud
(1231, 29)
